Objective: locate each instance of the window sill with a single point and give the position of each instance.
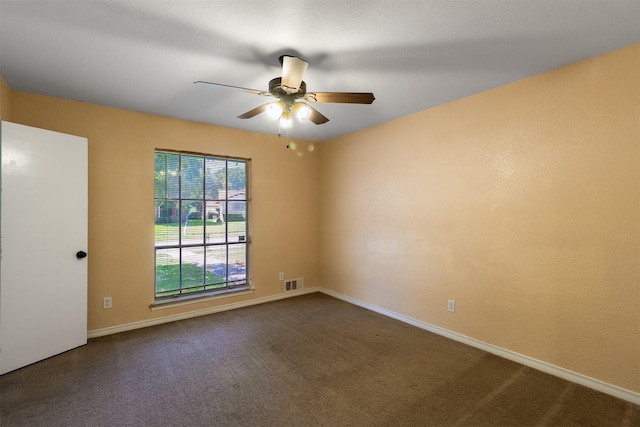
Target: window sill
(193, 299)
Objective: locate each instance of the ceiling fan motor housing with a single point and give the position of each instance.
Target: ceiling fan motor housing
(275, 89)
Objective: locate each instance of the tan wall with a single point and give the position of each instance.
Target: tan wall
(521, 203)
(121, 218)
(5, 100)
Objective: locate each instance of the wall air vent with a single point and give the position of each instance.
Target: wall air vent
(293, 284)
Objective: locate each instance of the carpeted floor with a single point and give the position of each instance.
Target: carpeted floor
(311, 360)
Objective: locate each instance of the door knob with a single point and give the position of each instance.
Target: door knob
(81, 254)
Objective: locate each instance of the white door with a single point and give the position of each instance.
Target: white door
(43, 226)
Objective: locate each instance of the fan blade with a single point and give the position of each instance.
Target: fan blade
(254, 112)
(316, 116)
(253, 91)
(340, 97)
(293, 69)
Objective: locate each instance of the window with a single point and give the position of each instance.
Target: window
(200, 224)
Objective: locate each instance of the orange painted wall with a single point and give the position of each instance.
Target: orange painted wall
(284, 206)
(5, 100)
(521, 203)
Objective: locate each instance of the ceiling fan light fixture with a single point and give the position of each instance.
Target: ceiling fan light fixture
(286, 120)
(302, 111)
(274, 110)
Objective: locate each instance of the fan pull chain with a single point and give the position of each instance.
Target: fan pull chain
(286, 134)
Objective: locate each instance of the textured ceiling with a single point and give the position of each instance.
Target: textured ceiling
(413, 55)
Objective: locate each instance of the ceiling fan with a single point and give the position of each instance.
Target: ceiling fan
(291, 93)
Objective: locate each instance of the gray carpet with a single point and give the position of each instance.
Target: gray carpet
(311, 360)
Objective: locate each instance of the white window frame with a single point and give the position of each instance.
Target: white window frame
(233, 237)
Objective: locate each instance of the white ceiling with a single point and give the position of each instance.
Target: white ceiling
(413, 55)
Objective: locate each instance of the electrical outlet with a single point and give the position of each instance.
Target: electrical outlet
(451, 305)
(281, 276)
(106, 302)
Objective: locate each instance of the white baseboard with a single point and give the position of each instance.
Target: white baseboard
(181, 316)
(548, 368)
(557, 371)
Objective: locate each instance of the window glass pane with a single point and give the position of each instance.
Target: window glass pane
(193, 267)
(167, 227)
(237, 176)
(160, 186)
(172, 175)
(238, 262)
(216, 266)
(192, 177)
(167, 271)
(214, 211)
(216, 183)
(192, 227)
(237, 221)
(216, 232)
